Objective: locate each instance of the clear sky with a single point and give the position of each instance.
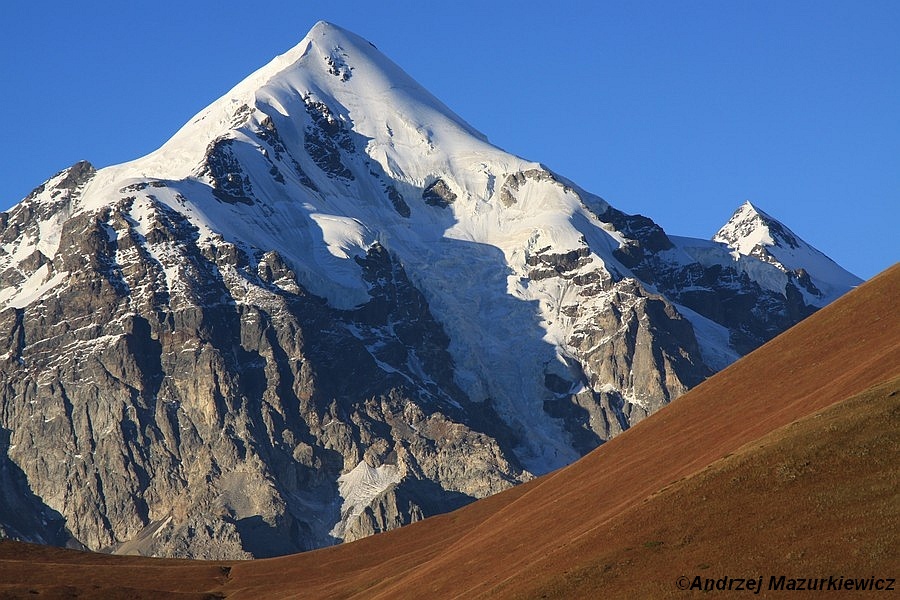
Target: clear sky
(676, 109)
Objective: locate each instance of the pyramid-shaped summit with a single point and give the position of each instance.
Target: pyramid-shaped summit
(328, 307)
(752, 232)
(749, 227)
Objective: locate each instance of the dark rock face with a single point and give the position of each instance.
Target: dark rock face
(69, 179)
(208, 424)
(644, 239)
(25, 516)
(325, 138)
(725, 295)
(402, 504)
(337, 64)
(557, 265)
(515, 181)
(268, 134)
(805, 281)
(633, 353)
(229, 182)
(438, 194)
(397, 201)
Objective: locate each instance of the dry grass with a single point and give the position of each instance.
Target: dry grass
(818, 497)
(31, 571)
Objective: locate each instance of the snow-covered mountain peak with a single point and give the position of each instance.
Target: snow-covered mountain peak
(331, 71)
(355, 66)
(753, 232)
(750, 227)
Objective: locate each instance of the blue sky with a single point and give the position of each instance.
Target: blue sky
(679, 110)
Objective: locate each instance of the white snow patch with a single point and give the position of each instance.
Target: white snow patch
(50, 232)
(37, 284)
(359, 488)
(713, 339)
(344, 236)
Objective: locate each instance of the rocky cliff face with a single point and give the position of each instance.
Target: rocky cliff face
(211, 412)
(327, 308)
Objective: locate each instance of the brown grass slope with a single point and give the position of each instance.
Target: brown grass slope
(735, 478)
(817, 498)
(32, 571)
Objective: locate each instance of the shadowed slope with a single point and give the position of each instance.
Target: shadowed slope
(721, 482)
